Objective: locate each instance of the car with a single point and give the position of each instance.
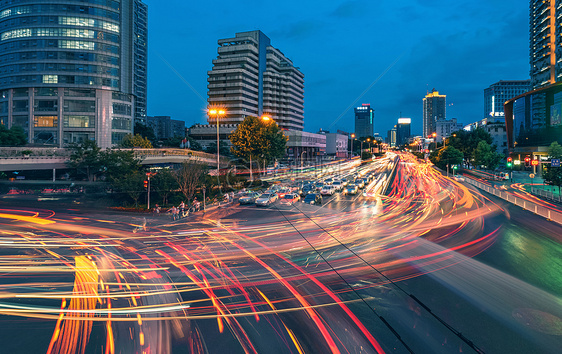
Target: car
(313, 199)
(351, 189)
(328, 190)
(281, 193)
(360, 183)
(318, 186)
(328, 181)
(266, 199)
(309, 188)
(289, 199)
(249, 198)
(459, 178)
(338, 185)
(345, 181)
(501, 176)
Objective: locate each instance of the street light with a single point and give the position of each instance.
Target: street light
(352, 139)
(217, 112)
(266, 118)
(304, 152)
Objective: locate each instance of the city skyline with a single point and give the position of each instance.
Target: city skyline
(343, 49)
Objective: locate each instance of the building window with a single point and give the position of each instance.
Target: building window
(50, 79)
(46, 121)
(76, 121)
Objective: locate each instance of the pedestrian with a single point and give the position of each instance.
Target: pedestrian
(174, 211)
(182, 208)
(232, 197)
(157, 209)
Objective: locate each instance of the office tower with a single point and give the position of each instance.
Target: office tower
(252, 78)
(364, 121)
(70, 70)
(545, 42)
(165, 127)
(497, 94)
(140, 50)
(434, 108)
(403, 131)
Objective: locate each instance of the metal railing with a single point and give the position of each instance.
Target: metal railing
(523, 203)
(547, 194)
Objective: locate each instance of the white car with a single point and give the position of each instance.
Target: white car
(266, 199)
(328, 190)
(338, 185)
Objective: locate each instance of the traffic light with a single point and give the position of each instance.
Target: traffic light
(509, 162)
(535, 162)
(527, 161)
(145, 184)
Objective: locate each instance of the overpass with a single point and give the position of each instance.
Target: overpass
(26, 159)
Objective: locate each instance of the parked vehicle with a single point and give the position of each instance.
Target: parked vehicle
(313, 199)
(249, 198)
(266, 199)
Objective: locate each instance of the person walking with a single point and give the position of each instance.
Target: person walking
(182, 209)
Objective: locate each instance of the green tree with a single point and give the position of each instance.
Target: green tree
(145, 131)
(15, 136)
(86, 158)
(485, 155)
(555, 150)
(366, 155)
(256, 139)
(164, 183)
(467, 142)
(131, 185)
(119, 164)
(224, 149)
(446, 156)
(135, 141)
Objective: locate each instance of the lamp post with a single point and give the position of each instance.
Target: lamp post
(352, 139)
(304, 152)
(217, 113)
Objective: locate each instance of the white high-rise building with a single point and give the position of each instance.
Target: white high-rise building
(252, 78)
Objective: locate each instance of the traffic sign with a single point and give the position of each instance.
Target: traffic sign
(555, 163)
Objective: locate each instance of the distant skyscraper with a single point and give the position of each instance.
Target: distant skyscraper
(545, 42)
(403, 131)
(499, 93)
(434, 108)
(364, 121)
(72, 70)
(250, 78)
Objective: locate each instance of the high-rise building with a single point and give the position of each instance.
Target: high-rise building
(403, 131)
(71, 70)
(502, 91)
(545, 42)
(364, 121)
(434, 108)
(444, 128)
(165, 127)
(252, 78)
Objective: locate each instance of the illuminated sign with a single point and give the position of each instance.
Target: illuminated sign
(404, 120)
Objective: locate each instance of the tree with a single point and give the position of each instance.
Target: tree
(366, 155)
(86, 158)
(189, 176)
(486, 155)
(224, 150)
(447, 156)
(144, 131)
(135, 141)
(555, 150)
(119, 164)
(15, 136)
(467, 142)
(164, 183)
(256, 139)
(131, 185)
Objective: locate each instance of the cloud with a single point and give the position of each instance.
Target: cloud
(348, 9)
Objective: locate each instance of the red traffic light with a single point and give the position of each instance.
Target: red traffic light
(535, 162)
(145, 184)
(509, 159)
(527, 159)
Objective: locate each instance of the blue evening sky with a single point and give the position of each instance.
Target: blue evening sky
(393, 50)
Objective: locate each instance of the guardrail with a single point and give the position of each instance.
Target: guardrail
(523, 203)
(547, 194)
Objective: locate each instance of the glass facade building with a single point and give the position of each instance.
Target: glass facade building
(364, 121)
(72, 70)
(497, 94)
